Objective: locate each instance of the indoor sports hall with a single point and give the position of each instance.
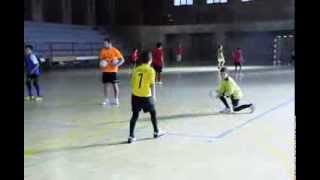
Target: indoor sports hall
(72, 133)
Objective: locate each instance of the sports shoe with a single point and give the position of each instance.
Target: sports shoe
(28, 98)
(39, 98)
(116, 102)
(106, 102)
(131, 139)
(158, 134)
(226, 110)
(252, 108)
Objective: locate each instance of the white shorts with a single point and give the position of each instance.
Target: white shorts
(221, 60)
(179, 57)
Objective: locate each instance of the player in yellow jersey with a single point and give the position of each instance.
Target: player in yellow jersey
(143, 94)
(229, 88)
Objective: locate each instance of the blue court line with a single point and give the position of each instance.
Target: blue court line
(229, 131)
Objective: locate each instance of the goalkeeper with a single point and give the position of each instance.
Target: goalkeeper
(229, 88)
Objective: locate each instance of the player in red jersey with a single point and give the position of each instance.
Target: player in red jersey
(134, 58)
(158, 61)
(237, 59)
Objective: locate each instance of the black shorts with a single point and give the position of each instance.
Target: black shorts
(142, 103)
(237, 64)
(32, 77)
(235, 102)
(109, 77)
(157, 68)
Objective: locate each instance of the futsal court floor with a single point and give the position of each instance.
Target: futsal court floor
(70, 136)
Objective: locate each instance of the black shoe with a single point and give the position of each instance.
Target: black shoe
(131, 140)
(158, 134)
(252, 108)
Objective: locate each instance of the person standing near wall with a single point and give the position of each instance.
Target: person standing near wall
(179, 53)
(237, 59)
(33, 73)
(220, 57)
(110, 61)
(158, 61)
(133, 58)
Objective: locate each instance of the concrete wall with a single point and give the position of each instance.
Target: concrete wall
(129, 12)
(83, 12)
(141, 12)
(160, 12)
(61, 11)
(105, 12)
(37, 10)
(245, 35)
(233, 11)
(150, 12)
(66, 11)
(27, 10)
(52, 11)
(90, 12)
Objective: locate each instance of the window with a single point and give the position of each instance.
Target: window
(189, 2)
(216, 1)
(182, 2)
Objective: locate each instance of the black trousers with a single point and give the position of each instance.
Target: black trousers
(235, 104)
(236, 65)
(35, 80)
(134, 118)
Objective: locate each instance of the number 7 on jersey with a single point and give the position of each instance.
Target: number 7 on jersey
(141, 76)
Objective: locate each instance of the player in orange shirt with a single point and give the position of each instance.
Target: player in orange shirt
(110, 61)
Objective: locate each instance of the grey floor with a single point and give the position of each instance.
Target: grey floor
(69, 136)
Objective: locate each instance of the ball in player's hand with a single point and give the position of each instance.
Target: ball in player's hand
(115, 62)
(103, 64)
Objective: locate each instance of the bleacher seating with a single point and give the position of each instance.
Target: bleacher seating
(52, 39)
(49, 32)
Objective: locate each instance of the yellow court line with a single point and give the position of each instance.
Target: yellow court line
(71, 138)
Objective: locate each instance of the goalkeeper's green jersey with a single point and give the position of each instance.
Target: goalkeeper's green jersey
(228, 87)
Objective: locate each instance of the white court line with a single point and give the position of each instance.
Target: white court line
(199, 69)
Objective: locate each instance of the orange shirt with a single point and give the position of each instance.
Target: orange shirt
(109, 55)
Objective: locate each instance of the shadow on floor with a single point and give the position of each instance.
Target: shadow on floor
(175, 117)
(168, 117)
(64, 149)
(44, 105)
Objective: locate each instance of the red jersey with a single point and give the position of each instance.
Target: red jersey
(134, 56)
(179, 51)
(157, 56)
(237, 56)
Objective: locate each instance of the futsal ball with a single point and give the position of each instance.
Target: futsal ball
(115, 62)
(103, 64)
